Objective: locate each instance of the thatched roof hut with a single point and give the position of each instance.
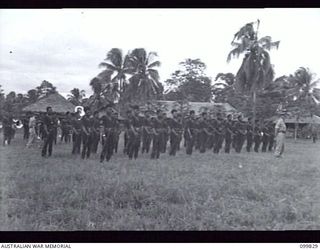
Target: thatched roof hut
(58, 103)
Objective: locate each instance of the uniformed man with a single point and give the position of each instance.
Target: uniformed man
(76, 132)
(240, 133)
(7, 123)
(210, 136)
(117, 131)
(265, 137)
(134, 135)
(50, 125)
(108, 124)
(65, 124)
(25, 122)
(218, 133)
(179, 117)
(271, 137)
(280, 132)
(257, 136)
(197, 142)
(156, 132)
(86, 133)
(228, 133)
(164, 132)
(95, 132)
(203, 132)
(190, 132)
(175, 132)
(126, 131)
(249, 134)
(146, 132)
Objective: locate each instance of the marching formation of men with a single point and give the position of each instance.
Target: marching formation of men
(149, 134)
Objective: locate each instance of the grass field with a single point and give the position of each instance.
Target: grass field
(198, 192)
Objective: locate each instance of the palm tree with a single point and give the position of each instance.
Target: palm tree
(256, 71)
(302, 97)
(145, 82)
(76, 96)
(118, 67)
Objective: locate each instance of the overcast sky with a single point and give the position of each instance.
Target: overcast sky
(65, 46)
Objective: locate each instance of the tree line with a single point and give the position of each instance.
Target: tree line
(133, 77)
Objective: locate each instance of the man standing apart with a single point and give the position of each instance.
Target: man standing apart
(32, 131)
(49, 125)
(280, 132)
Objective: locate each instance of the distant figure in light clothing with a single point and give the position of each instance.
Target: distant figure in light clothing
(280, 132)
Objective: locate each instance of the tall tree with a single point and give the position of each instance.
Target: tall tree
(117, 69)
(256, 71)
(76, 96)
(190, 83)
(32, 95)
(45, 88)
(144, 85)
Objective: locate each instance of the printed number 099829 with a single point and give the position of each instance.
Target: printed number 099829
(308, 245)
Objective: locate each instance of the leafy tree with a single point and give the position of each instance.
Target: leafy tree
(190, 83)
(32, 95)
(256, 71)
(144, 85)
(76, 96)
(118, 68)
(45, 88)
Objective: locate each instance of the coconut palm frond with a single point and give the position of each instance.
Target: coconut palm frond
(234, 53)
(245, 31)
(109, 66)
(115, 57)
(154, 64)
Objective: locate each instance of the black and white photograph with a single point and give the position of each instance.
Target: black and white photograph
(159, 119)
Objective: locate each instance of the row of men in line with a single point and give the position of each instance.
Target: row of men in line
(153, 133)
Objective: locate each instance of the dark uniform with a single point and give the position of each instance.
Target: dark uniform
(146, 134)
(134, 136)
(50, 123)
(256, 138)
(76, 135)
(95, 134)
(87, 136)
(240, 133)
(271, 131)
(175, 135)
(7, 130)
(228, 135)
(66, 127)
(126, 135)
(218, 135)
(265, 138)
(156, 139)
(249, 136)
(108, 124)
(164, 135)
(116, 135)
(25, 123)
(190, 134)
(203, 126)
